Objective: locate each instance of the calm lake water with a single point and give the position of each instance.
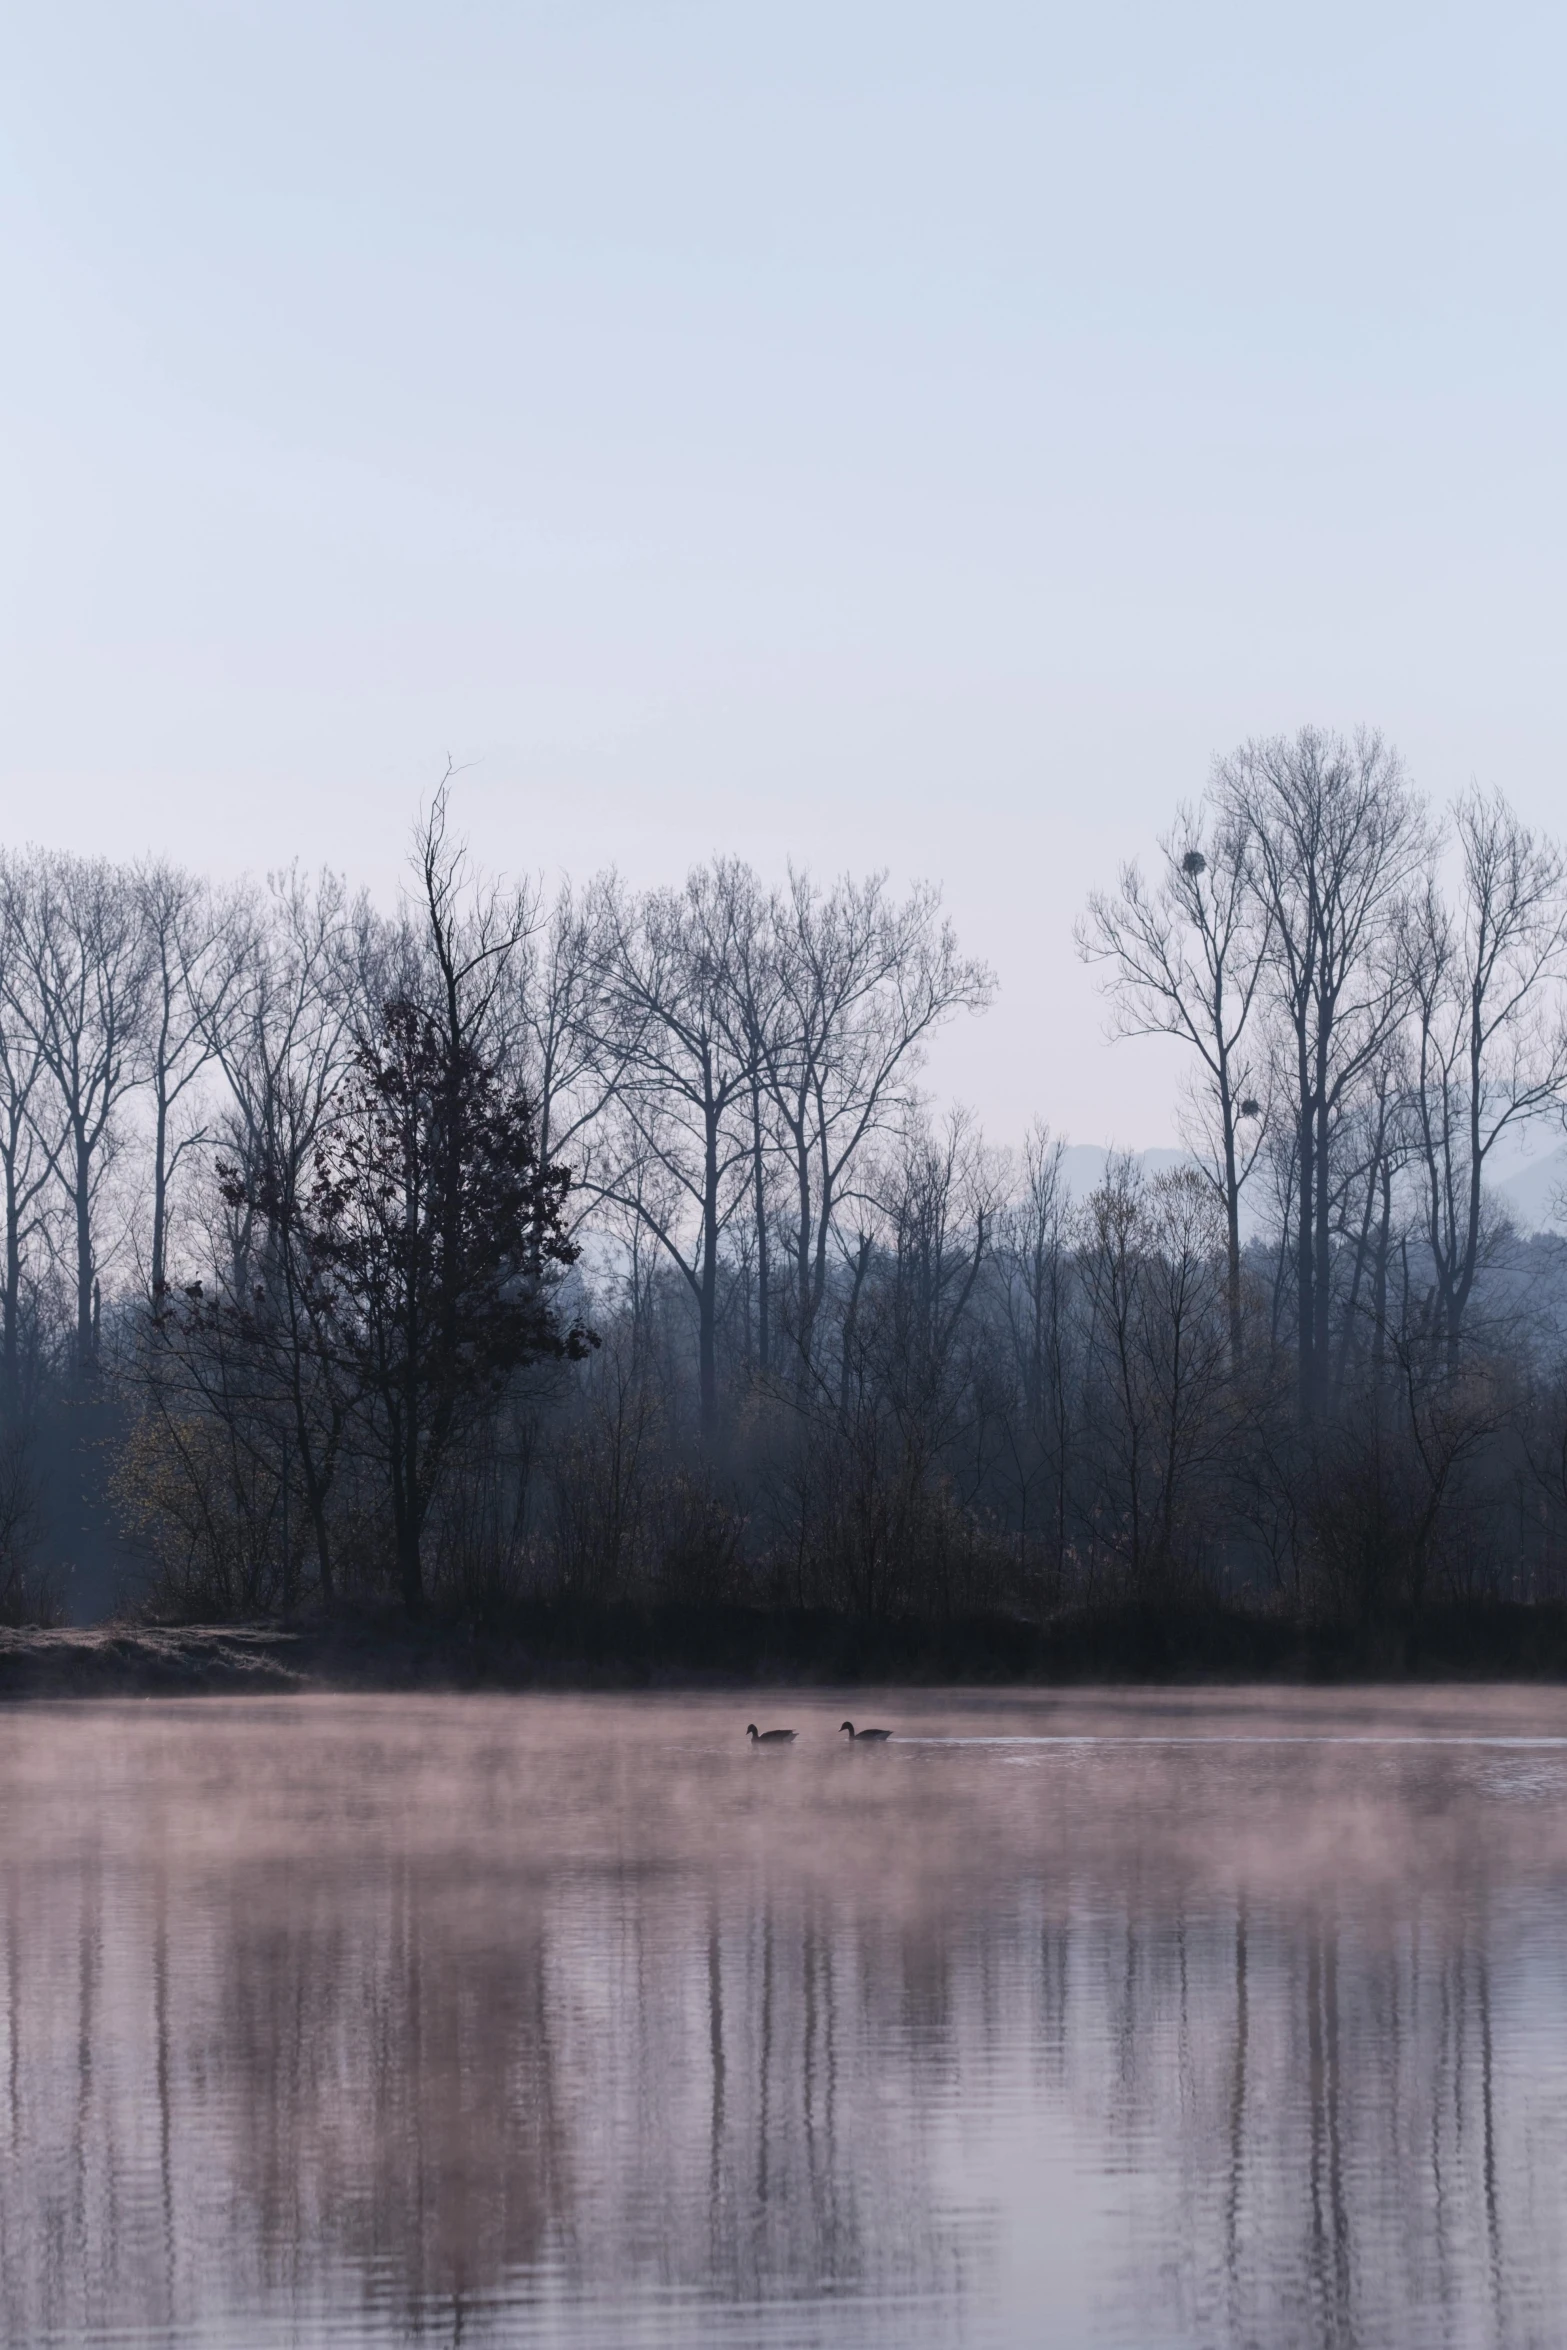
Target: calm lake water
(1132, 2021)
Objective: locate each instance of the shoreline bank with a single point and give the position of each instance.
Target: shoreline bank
(625, 1648)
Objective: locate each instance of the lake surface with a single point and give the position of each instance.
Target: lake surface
(1139, 2021)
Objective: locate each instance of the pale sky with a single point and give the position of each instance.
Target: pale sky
(873, 433)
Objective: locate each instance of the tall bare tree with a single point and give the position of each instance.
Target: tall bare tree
(565, 1046)
(1373, 1145)
(1335, 840)
(862, 982)
(192, 975)
(1033, 1253)
(30, 1130)
(1186, 958)
(1490, 1050)
(1152, 1296)
(765, 1017)
(469, 929)
(669, 1021)
(88, 973)
(306, 962)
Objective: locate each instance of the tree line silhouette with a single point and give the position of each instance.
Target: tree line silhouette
(606, 1249)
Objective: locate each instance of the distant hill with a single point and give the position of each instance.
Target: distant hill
(1083, 1164)
(1533, 1194)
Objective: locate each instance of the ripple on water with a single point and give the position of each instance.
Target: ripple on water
(1137, 2022)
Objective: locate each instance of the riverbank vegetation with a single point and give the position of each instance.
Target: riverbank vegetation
(603, 1256)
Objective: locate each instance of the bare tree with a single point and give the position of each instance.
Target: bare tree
(1334, 840)
(241, 1407)
(26, 1597)
(566, 1045)
(30, 1129)
(1033, 1253)
(1373, 1143)
(1186, 959)
(764, 1017)
(871, 1470)
(87, 970)
(938, 1197)
(471, 930)
(669, 1024)
(192, 977)
(1490, 1050)
(1151, 1259)
(304, 964)
(861, 984)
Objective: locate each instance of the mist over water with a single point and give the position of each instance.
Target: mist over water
(1130, 2021)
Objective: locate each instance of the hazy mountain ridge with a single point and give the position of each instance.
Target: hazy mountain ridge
(1534, 1194)
(1083, 1164)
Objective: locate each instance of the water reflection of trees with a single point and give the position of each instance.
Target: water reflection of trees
(250, 2091)
(287, 2087)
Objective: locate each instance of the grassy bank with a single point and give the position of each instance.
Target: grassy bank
(669, 1647)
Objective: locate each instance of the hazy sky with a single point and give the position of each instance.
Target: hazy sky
(867, 433)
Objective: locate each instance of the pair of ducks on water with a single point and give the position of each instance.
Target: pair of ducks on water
(787, 1737)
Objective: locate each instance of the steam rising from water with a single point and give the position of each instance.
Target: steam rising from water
(1135, 2020)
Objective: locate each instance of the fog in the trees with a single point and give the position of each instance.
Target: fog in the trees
(607, 1245)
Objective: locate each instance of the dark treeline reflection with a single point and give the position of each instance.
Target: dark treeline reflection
(469, 2019)
(603, 1247)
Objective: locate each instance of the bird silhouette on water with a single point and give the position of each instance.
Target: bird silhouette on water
(876, 1737)
(768, 1737)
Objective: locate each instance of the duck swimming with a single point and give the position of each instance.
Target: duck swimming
(768, 1737)
(875, 1736)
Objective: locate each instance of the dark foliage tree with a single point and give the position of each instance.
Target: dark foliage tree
(434, 1235)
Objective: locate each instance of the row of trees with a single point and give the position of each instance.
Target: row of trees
(609, 1247)
(1351, 1022)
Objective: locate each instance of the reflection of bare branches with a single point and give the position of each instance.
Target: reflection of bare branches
(347, 2024)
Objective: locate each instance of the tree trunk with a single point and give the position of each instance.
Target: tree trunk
(315, 1503)
(10, 1334)
(86, 1332)
(763, 1302)
(1232, 1237)
(1305, 1261)
(707, 1287)
(160, 1196)
(1379, 1292)
(410, 1566)
(802, 1262)
(1322, 1297)
(405, 1513)
(862, 1258)
(410, 1563)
